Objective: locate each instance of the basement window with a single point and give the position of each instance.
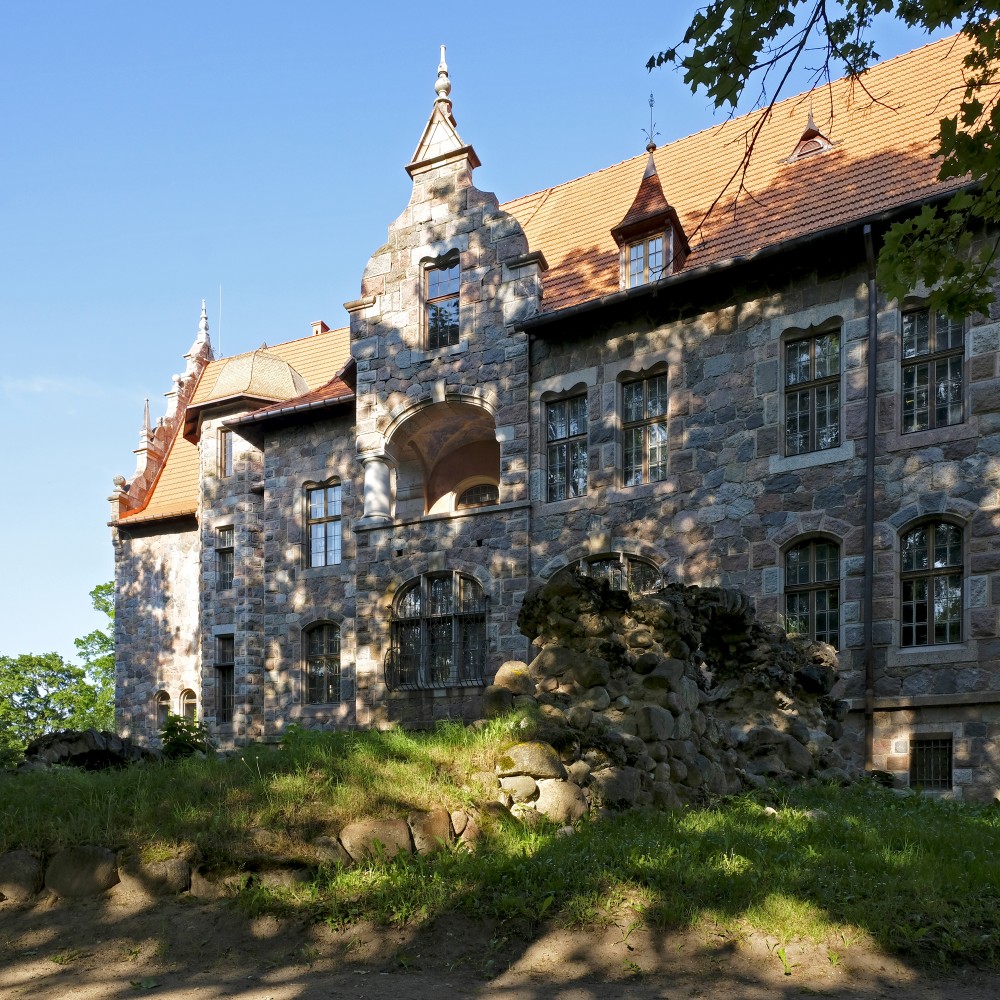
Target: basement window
(931, 763)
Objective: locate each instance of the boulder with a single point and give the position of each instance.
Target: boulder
(520, 787)
(514, 677)
(330, 851)
(536, 759)
(617, 787)
(561, 801)
(654, 723)
(81, 871)
(552, 661)
(170, 877)
(496, 701)
(20, 876)
(376, 838)
(431, 831)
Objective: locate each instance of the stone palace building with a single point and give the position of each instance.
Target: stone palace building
(338, 530)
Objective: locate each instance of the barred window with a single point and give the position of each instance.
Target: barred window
(931, 763)
(566, 434)
(438, 633)
(645, 261)
(323, 665)
(812, 591)
(933, 362)
(644, 430)
(629, 573)
(324, 505)
(931, 585)
(812, 393)
(442, 306)
(225, 678)
(225, 558)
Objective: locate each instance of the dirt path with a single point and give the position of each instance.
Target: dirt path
(183, 949)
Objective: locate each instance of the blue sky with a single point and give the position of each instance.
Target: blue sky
(155, 152)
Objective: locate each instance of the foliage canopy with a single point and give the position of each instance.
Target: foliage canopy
(730, 44)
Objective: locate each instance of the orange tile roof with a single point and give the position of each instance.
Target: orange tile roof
(317, 358)
(880, 160)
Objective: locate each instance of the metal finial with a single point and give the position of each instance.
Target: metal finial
(442, 86)
(651, 134)
(203, 322)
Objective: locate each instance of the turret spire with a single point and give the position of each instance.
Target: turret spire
(442, 86)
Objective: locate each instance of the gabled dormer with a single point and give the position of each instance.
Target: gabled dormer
(650, 237)
(812, 141)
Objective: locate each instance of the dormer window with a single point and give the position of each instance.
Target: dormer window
(646, 260)
(650, 238)
(442, 306)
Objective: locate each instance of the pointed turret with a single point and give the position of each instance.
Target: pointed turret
(440, 141)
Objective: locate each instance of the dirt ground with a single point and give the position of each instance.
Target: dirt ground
(186, 949)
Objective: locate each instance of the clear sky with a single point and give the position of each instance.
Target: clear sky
(153, 153)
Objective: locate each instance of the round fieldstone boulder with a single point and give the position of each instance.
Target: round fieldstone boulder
(431, 830)
(496, 701)
(376, 838)
(156, 878)
(539, 760)
(81, 871)
(20, 876)
(618, 787)
(561, 801)
(514, 677)
(520, 787)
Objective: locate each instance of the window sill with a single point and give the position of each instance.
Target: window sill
(584, 502)
(315, 572)
(931, 656)
(446, 516)
(417, 355)
(792, 463)
(896, 441)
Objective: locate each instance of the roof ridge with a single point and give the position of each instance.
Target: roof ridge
(731, 121)
(283, 343)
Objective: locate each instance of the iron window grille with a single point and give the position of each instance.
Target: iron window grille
(931, 763)
(438, 634)
(323, 665)
(225, 679)
(812, 591)
(812, 393)
(622, 572)
(566, 434)
(932, 376)
(442, 306)
(644, 429)
(225, 558)
(323, 522)
(931, 558)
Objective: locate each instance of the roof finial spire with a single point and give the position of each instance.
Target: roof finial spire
(203, 322)
(442, 86)
(651, 134)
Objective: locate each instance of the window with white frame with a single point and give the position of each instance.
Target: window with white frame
(646, 260)
(162, 705)
(933, 361)
(566, 447)
(812, 591)
(931, 584)
(189, 705)
(644, 431)
(225, 444)
(438, 633)
(323, 665)
(812, 393)
(480, 495)
(442, 295)
(323, 523)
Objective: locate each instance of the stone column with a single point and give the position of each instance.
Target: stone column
(378, 489)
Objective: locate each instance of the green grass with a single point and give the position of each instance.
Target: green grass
(918, 876)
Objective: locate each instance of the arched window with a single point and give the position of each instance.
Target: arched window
(480, 495)
(629, 573)
(931, 571)
(812, 591)
(323, 665)
(162, 702)
(189, 704)
(438, 633)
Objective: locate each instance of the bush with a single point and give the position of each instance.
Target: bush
(184, 737)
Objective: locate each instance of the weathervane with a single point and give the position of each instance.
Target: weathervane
(651, 134)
